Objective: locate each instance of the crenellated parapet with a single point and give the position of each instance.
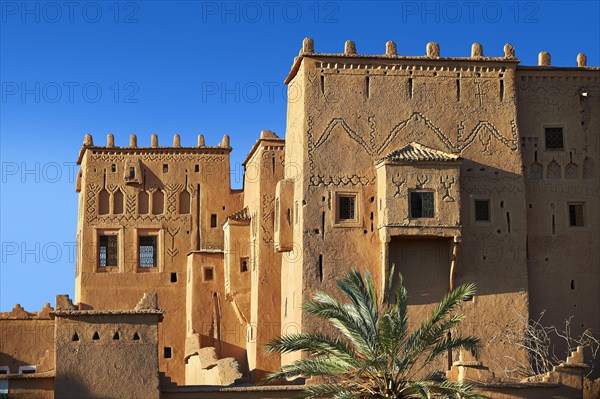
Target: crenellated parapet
(19, 313)
(88, 141)
(432, 52)
(88, 144)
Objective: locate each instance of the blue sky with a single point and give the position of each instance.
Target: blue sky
(190, 67)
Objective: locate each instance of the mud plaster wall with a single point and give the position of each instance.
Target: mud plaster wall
(25, 342)
(174, 185)
(356, 115)
(237, 289)
(107, 367)
(210, 313)
(563, 261)
(267, 165)
(25, 388)
(296, 165)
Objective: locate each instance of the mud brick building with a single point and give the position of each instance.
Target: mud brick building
(454, 170)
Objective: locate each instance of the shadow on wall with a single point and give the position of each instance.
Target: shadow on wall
(417, 257)
(76, 389)
(225, 349)
(492, 252)
(492, 244)
(12, 363)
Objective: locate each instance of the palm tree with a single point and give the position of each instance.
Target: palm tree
(375, 356)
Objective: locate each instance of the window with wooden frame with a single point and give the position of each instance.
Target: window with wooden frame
(421, 204)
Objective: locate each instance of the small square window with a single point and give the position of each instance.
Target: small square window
(208, 274)
(27, 369)
(244, 264)
(346, 207)
(482, 210)
(421, 204)
(165, 168)
(168, 352)
(554, 138)
(107, 250)
(213, 220)
(173, 277)
(147, 250)
(576, 215)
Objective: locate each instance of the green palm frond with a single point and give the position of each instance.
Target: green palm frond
(375, 356)
(315, 344)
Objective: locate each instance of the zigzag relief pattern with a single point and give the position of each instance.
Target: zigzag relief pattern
(91, 192)
(131, 203)
(159, 157)
(171, 157)
(415, 117)
(485, 130)
(353, 135)
(543, 97)
(342, 181)
(486, 127)
(482, 126)
(497, 188)
(122, 218)
(172, 191)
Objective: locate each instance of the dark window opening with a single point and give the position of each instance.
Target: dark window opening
(131, 172)
(96, 336)
(213, 220)
(165, 168)
(173, 277)
(573, 285)
(196, 168)
(4, 371)
(244, 265)
(168, 352)
(482, 210)
(136, 337)
(576, 215)
(208, 274)
(554, 138)
(108, 250)
(421, 204)
(147, 250)
(457, 89)
(346, 207)
(75, 337)
(321, 268)
(116, 337)
(113, 168)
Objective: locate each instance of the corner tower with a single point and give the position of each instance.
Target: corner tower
(141, 211)
(440, 223)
